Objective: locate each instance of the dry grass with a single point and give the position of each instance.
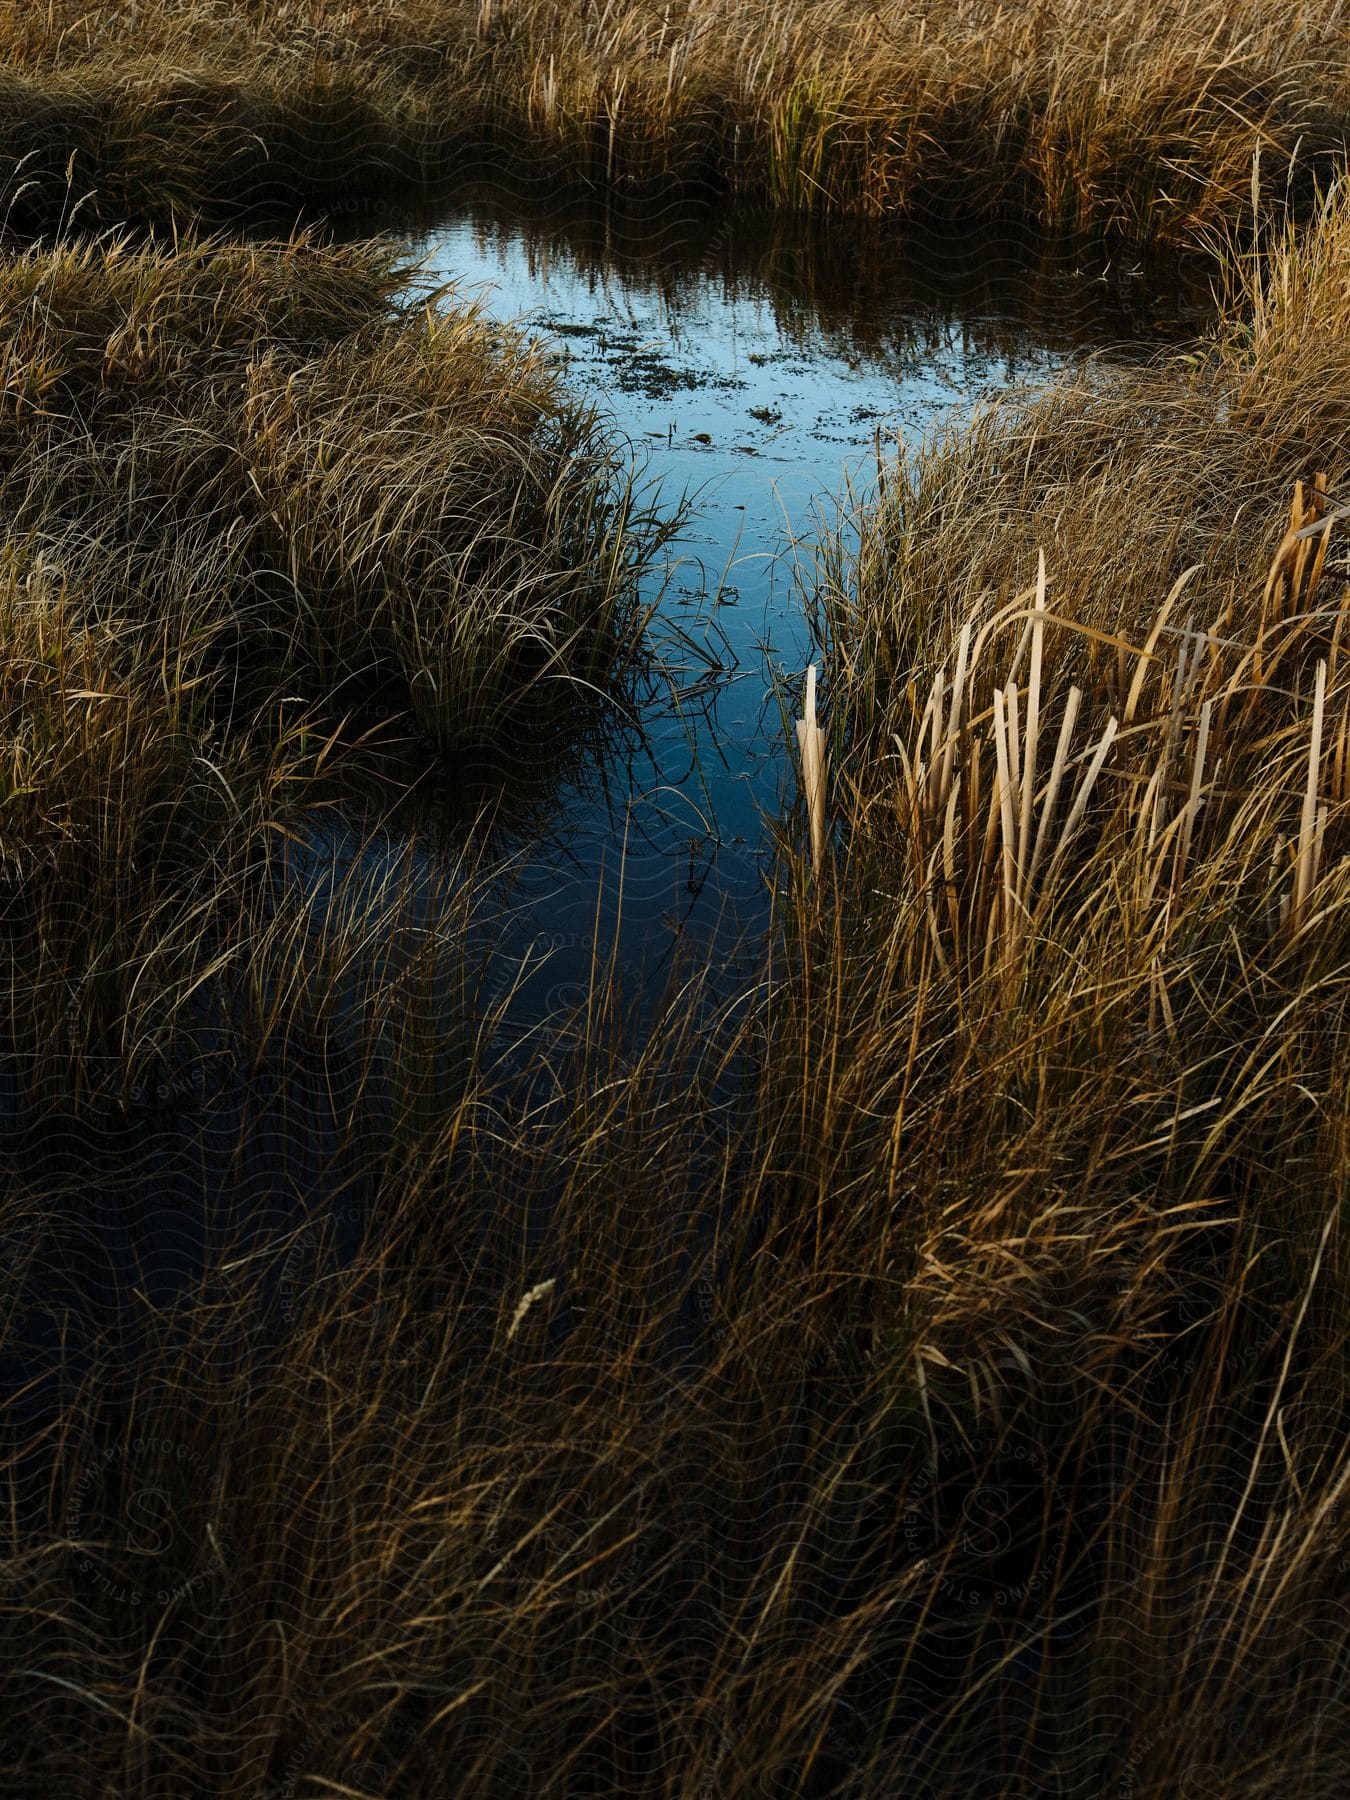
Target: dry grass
(927, 1375)
(362, 497)
(271, 539)
(1130, 121)
(1073, 1037)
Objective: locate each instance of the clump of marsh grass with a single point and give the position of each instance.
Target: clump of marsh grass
(256, 506)
(369, 499)
(1090, 663)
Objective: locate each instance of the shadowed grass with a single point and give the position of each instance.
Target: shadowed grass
(925, 1376)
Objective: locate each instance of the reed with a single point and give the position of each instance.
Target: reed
(811, 746)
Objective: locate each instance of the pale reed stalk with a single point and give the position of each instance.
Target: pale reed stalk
(811, 740)
(1305, 871)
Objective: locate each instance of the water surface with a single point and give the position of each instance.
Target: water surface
(756, 368)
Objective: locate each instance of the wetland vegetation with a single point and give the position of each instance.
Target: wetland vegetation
(919, 1372)
(1135, 120)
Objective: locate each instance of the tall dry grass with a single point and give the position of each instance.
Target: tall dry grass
(273, 537)
(1134, 120)
(924, 1376)
(1072, 1038)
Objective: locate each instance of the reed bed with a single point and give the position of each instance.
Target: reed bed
(1074, 1028)
(1133, 121)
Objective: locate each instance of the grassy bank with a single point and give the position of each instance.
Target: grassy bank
(1072, 1028)
(989, 1437)
(1133, 122)
(274, 531)
(323, 481)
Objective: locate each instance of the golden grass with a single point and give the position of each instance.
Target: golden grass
(1132, 120)
(263, 523)
(933, 1363)
(1065, 1062)
(364, 496)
